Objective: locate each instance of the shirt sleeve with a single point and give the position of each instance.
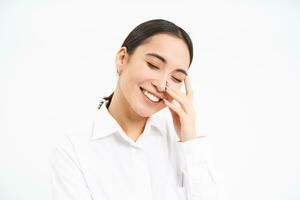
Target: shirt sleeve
(201, 181)
(67, 179)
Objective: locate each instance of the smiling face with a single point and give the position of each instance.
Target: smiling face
(160, 59)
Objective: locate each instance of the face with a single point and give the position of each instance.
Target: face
(162, 59)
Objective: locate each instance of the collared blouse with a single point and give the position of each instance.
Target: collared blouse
(104, 163)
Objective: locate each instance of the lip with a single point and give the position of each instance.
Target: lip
(160, 99)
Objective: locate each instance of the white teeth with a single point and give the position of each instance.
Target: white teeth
(150, 96)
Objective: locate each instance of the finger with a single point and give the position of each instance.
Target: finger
(177, 97)
(175, 108)
(188, 87)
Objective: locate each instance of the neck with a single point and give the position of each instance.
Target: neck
(132, 123)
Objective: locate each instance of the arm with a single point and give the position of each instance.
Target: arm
(201, 179)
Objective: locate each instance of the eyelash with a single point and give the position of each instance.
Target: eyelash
(154, 67)
(177, 80)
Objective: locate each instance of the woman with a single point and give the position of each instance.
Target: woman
(131, 152)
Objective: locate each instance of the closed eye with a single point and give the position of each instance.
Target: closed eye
(152, 66)
(177, 80)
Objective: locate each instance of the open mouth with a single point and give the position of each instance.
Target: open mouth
(150, 96)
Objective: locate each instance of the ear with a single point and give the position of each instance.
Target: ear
(121, 58)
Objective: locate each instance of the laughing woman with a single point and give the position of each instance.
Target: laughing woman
(131, 152)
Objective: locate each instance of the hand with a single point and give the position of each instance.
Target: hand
(184, 115)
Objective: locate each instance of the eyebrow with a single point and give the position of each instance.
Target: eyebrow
(165, 61)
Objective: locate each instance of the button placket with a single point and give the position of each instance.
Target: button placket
(142, 176)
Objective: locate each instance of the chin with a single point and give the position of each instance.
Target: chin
(144, 111)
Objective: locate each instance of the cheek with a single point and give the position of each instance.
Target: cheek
(176, 87)
(140, 76)
(132, 81)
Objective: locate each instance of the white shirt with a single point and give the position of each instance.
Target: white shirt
(103, 163)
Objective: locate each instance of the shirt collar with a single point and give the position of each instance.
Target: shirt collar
(104, 124)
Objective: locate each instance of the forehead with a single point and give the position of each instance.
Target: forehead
(173, 49)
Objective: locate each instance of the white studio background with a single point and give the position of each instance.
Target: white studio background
(57, 60)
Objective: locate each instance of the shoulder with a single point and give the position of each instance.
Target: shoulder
(67, 143)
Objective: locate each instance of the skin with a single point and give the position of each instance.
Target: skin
(129, 106)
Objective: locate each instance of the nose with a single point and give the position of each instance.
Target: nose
(160, 85)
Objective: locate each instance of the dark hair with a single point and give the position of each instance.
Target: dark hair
(150, 28)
